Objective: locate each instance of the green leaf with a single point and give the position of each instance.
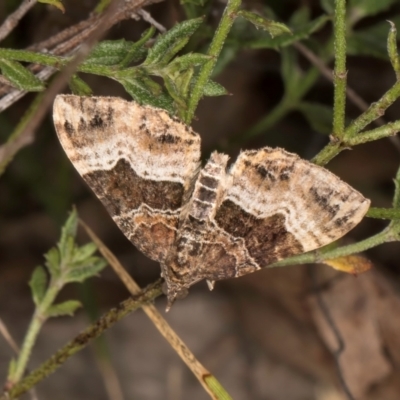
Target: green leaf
(142, 92)
(79, 86)
(298, 33)
(113, 52)
(137, 50)
(300, 17)
(272, 27)
(90, 267)
(170, 43)
(328, 6)
(55, 3)
(66, 308)
(53, 262)
(187, 61)
(318, 116)
(363, 8)
(20, 77)
(371, 41)
(84, 252)
(38, 284)
(68, 232)
(213, 88)
(291, 73)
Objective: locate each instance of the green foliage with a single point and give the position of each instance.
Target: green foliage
(56, 3)
(38, 284)
(272, 27)
(20, 77)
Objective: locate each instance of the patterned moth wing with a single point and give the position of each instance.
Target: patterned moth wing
(140, 163)
(270, 205)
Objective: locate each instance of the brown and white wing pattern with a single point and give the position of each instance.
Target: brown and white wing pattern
(281, 205)
(270, 205)
(140, 162)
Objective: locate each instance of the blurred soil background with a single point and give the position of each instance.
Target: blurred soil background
(264, 336)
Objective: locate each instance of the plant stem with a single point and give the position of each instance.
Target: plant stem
(214, 50)
(37, 321)
(82, 340)
(383, 213)
(390, 129)
(330, 151)
(375, 111)
(340, 73)
(318, 256)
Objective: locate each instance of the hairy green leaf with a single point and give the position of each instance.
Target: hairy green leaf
(371, 41)
(113, 52)
(68, 232)
(79, 86)
(84, 252)
(53, 262)
(272, 27)
(38, 284)
(142, 92)
(170, 43)
(213, 88)
(20, 77)
(66, 308)
(299, 33)
(137, 50)
(87, 269)
(187, 61)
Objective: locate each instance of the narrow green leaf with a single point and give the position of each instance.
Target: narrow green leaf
(187, 61)
(328, 6)
(364, 8)
(56, 3)
(84, 252)
(168, 44)
(90, 268)
(298, 33)
(396, 197)
(300, 17)
(113, 52)
(20, 77)
(371, 41)
(79, 86)
(68, 231)
(141, 92)
(392, 49)
(175, 92)
(53, 262)
(318, 116)
(272, 27)
(137, 50)
(38, 284)
(291, 73)
(66, 308)
(213, 88)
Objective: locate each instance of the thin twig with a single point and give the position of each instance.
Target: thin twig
(201, 373)
(12, 20)
(146, 16)
(82, 340)
(7, 337)
(352, 95)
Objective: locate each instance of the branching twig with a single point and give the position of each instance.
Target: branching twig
(12, 20)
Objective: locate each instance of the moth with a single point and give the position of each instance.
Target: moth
(213, 222)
